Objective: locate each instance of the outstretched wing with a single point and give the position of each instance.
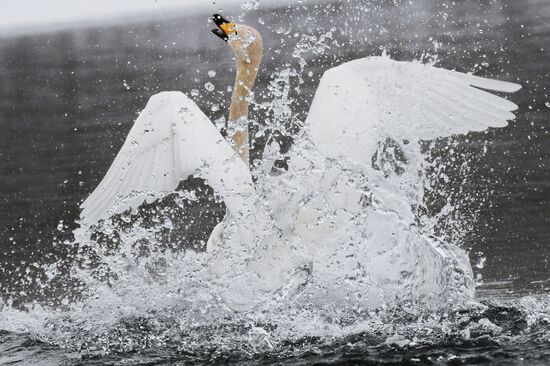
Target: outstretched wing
(365, 101)
(171, 140)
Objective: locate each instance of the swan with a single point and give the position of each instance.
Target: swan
(359, 147)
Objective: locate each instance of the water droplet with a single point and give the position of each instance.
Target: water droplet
(211, 73)
(481, 263)
(250, 4)
(209, 86)
(194, 92)
(547, 104)
(215, 107)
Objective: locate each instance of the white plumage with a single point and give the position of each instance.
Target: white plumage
(171, 140)
(364, 101)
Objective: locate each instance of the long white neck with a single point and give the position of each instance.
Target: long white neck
(238, 111)
(248, 48)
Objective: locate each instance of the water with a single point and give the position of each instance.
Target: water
(68, 100)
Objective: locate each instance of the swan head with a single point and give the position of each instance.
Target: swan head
(245, 41)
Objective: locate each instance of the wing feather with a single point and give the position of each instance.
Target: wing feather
(108, 180)
(146, 176)
(167, 177)
(135, 167)
(483, 97)
(170, 140)
(155, 179)
(468, 98)
(471, 111)
(365, 101)
(103, 199)
(489, 84)
(447, 116)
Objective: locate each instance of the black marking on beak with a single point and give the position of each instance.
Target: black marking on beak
(219, 20)
(220, 34)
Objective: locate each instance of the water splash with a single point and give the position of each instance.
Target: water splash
(372, 274)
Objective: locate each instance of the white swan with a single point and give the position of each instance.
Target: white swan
(358, 107)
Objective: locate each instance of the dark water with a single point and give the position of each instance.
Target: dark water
(68, 99)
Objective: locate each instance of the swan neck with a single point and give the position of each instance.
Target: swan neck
(238, 111)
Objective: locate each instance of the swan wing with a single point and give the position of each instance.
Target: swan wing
(170, 140)
(365, 101)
